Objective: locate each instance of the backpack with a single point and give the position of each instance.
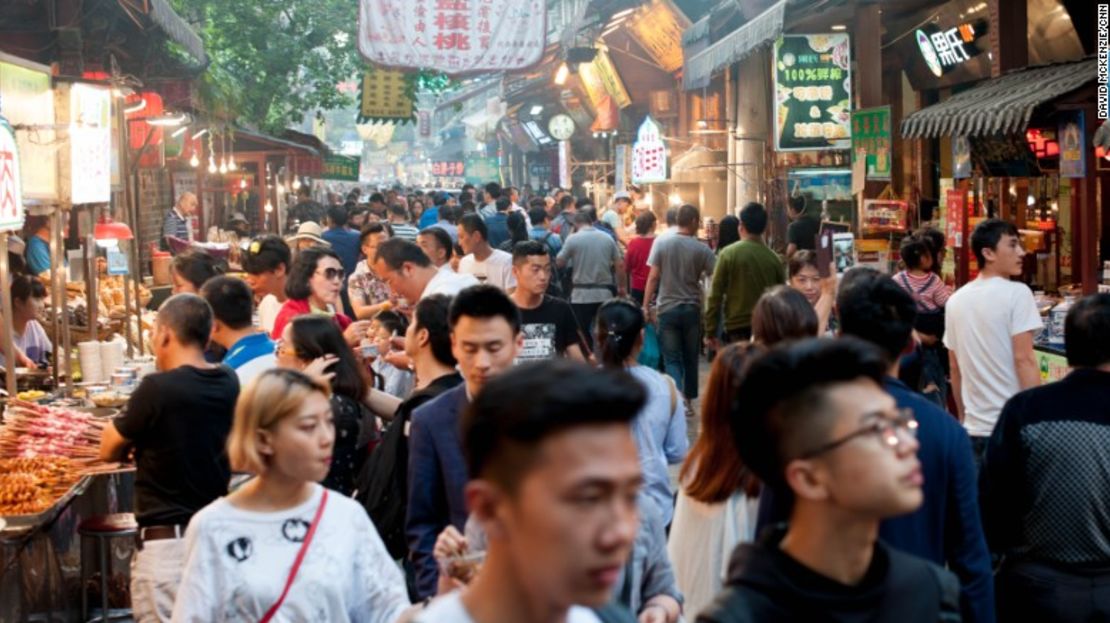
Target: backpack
(603, 226)
(382, 484)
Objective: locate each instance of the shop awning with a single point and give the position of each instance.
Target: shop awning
(760, 30)
(1002, 105)
(177, 29)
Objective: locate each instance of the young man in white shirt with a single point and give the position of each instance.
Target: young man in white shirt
(488, 265)
(554, 481)
(988, 330)
(267, 261)
(411, 275)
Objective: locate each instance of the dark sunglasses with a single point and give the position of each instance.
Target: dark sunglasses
(331, 274)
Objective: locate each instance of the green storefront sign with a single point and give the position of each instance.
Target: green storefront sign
(482, 170)
(341, 168)
(871, 133)
(813, 92)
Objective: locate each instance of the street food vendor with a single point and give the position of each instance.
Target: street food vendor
(37, 252)
(32, 346)
(176, 223)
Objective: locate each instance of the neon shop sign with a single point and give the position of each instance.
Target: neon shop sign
(946, 49)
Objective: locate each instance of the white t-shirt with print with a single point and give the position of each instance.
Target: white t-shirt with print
(450, 609)
(497, 269)
(237, 563)
(980, 322)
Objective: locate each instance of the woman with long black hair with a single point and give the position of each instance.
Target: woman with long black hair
(307, 339)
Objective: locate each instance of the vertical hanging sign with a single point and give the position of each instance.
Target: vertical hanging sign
(649, 155)
(564, 164)
(813, 92)
(11, 194)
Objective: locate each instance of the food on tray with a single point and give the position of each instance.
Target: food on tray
(31, 395)
(34, 430)
(108, 399)
(31, 485)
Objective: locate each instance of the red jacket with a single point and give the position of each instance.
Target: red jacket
(291, 308)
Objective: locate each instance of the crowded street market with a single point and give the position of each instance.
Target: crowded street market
(555, 311)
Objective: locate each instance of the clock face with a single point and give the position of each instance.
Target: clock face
(561, 127)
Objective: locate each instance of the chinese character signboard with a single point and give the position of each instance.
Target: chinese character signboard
(813, 92)
(342, 168)
(871, 133)
(448, 168)
(1072, 139)
(649, 155)
(482, 170)
(945, 49)
(90, 141)
(383, 97)
(11, 193)
(453, 36)
(953, 218)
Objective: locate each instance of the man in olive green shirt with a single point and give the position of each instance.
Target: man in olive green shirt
(744, 271)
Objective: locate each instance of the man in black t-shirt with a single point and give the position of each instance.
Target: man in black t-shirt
(548, 324)
(801, 234)
(177, 422)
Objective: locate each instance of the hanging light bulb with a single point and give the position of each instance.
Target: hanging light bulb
(269, 207)
(223, 167)
(212, 165)
(243, 183)
(296, 183)
(281, 188)
(231, 166)
(194, 161)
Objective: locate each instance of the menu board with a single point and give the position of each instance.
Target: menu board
(813, 92)
(11, 195)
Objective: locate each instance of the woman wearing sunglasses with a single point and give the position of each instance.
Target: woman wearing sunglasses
(281, 548)
(313, 287)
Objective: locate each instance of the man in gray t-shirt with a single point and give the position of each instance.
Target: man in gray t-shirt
(597, 270)
(678, 264)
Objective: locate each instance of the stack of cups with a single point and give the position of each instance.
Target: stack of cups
(88, 354)
(111, 357)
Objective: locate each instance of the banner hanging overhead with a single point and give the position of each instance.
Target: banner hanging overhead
(383, 97)
(90, 142)
(453, 36)
(341, 168)
(813, 92)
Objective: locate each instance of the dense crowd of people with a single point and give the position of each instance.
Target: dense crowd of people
(459, 409)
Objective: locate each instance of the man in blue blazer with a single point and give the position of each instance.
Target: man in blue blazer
(485, 337)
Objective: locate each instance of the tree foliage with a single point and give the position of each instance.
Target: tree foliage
(274, 61)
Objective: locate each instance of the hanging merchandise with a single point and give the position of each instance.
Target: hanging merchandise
(11, 193)
(813, 92)
(453, 36)
(384, 97)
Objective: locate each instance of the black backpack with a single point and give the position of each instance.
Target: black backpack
(382, 484)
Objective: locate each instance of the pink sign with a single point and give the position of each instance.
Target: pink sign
(452, 36)
(649, 155)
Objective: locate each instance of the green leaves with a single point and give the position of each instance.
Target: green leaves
(274, 61)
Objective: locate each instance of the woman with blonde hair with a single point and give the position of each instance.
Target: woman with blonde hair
(280, 547)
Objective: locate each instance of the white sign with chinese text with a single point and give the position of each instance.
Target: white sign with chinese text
(11, 193)
(90, 139)
(453, 36)
(649, 155)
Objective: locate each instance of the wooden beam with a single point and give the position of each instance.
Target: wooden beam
(869, 55)
(1008, 35)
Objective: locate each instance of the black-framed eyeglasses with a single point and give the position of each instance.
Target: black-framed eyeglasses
(890, 431)
(331, 274)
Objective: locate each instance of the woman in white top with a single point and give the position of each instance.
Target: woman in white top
(718, 497)
(660, 428)
(32, 346)
(282, 548)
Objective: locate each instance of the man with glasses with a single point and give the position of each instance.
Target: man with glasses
(815, 422)
(946, 530)
(548, 324)
(412, 276)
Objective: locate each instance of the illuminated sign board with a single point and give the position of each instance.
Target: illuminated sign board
(944, 50)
